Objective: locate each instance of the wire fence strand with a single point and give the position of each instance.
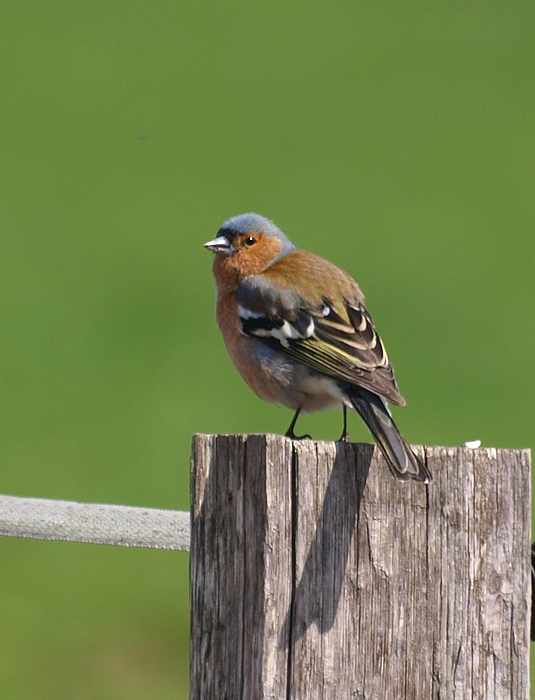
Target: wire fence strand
(94, 523)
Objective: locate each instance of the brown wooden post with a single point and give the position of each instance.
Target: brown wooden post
(317, 575)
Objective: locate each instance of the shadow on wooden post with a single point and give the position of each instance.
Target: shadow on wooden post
(312, 578)
(322, 548)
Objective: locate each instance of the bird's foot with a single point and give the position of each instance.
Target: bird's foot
(290, 434)
(344, 437)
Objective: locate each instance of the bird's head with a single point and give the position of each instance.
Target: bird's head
(251, 243)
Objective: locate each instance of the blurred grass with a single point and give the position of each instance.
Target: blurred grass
(395, 139)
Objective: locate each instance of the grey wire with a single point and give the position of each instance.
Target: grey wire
(94, 523)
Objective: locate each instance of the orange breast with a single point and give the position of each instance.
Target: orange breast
(240, 349)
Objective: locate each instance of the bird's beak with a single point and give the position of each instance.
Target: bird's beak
(219, 245)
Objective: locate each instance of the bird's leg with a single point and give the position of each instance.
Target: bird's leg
(290, 432)
(344, 437)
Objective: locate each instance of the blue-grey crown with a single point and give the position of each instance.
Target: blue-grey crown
(246, 223)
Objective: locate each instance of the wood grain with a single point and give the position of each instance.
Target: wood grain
(317, 575)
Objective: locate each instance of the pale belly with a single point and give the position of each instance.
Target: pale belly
(276, 378)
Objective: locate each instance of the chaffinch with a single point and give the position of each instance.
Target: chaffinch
(296, 328)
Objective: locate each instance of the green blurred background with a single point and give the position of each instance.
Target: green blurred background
(396, 139)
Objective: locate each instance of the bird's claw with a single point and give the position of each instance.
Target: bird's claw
(290, 434)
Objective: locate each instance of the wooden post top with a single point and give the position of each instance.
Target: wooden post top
(316, 574)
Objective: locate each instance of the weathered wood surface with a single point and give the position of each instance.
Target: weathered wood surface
(317, 575)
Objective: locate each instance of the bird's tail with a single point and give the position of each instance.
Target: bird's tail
(402, 461)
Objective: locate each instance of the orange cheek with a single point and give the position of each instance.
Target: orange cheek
(257, 258)
(230, 270)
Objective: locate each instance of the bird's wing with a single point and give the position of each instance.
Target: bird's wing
(336, 338)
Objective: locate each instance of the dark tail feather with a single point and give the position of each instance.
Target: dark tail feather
(400, 458)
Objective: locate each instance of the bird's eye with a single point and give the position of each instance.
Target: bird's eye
(251, 240)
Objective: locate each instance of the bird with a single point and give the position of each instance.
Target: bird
(297, 330)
